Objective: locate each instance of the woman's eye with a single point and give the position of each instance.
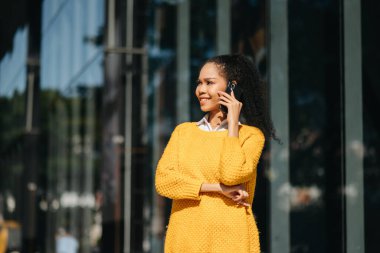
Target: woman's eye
(207, 83)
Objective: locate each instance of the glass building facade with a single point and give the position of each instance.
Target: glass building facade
(90, 91)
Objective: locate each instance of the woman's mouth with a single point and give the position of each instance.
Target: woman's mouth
(202, 101)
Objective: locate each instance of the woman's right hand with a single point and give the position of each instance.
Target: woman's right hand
(237, 193)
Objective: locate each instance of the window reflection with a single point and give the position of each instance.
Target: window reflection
(162, 110)
(71, 81)
(315, 127)
(13, 76)
(371, 126)
(249, 31)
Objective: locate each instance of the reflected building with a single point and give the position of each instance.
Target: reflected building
(90, 91)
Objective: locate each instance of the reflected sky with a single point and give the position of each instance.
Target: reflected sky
(71, 53)
(13, 65)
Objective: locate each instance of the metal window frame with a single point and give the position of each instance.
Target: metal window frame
(279, 103)
(353, 127)
(183, 61)
(223, 27)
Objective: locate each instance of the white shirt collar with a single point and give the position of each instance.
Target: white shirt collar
(205, 125)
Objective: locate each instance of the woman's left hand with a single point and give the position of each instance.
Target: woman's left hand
(237, 193)
(234, 106)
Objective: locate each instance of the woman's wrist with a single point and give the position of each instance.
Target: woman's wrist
(233, 130)
(207, 187)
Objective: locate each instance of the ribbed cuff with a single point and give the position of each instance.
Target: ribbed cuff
(192, 190)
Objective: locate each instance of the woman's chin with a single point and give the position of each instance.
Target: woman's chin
(203, 108)
(208, 108)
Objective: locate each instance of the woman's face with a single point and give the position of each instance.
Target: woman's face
(209, 82)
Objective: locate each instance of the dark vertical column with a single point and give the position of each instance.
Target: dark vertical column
(139, 188)
(371, 122)
(32, 126)
(112, 139)
(332, 144)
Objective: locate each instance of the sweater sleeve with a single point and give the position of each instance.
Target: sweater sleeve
(169, 181)
(239, 159)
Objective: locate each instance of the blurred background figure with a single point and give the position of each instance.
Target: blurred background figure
(66, 243)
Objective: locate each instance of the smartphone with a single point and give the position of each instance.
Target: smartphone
(237, 92)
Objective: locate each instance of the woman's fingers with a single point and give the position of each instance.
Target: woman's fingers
(228, 99)
(233, 94)
(227, 96)
(237, 197)
(237, 193)
(223, 103)
(240, 195)
(244, 204)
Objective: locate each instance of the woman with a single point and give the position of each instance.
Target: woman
(209, 167)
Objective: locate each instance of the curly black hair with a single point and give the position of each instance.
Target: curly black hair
(255, 110)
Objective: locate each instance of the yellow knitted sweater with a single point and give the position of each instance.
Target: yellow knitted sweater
(209, 222)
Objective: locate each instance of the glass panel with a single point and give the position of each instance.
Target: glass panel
(316, 214)
(161, 97)
(371, 123)
(70, 197)
(13, 76)
(202, 44)
(71, 201)
(249, 31)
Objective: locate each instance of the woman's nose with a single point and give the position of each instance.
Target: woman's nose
(202, 88)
